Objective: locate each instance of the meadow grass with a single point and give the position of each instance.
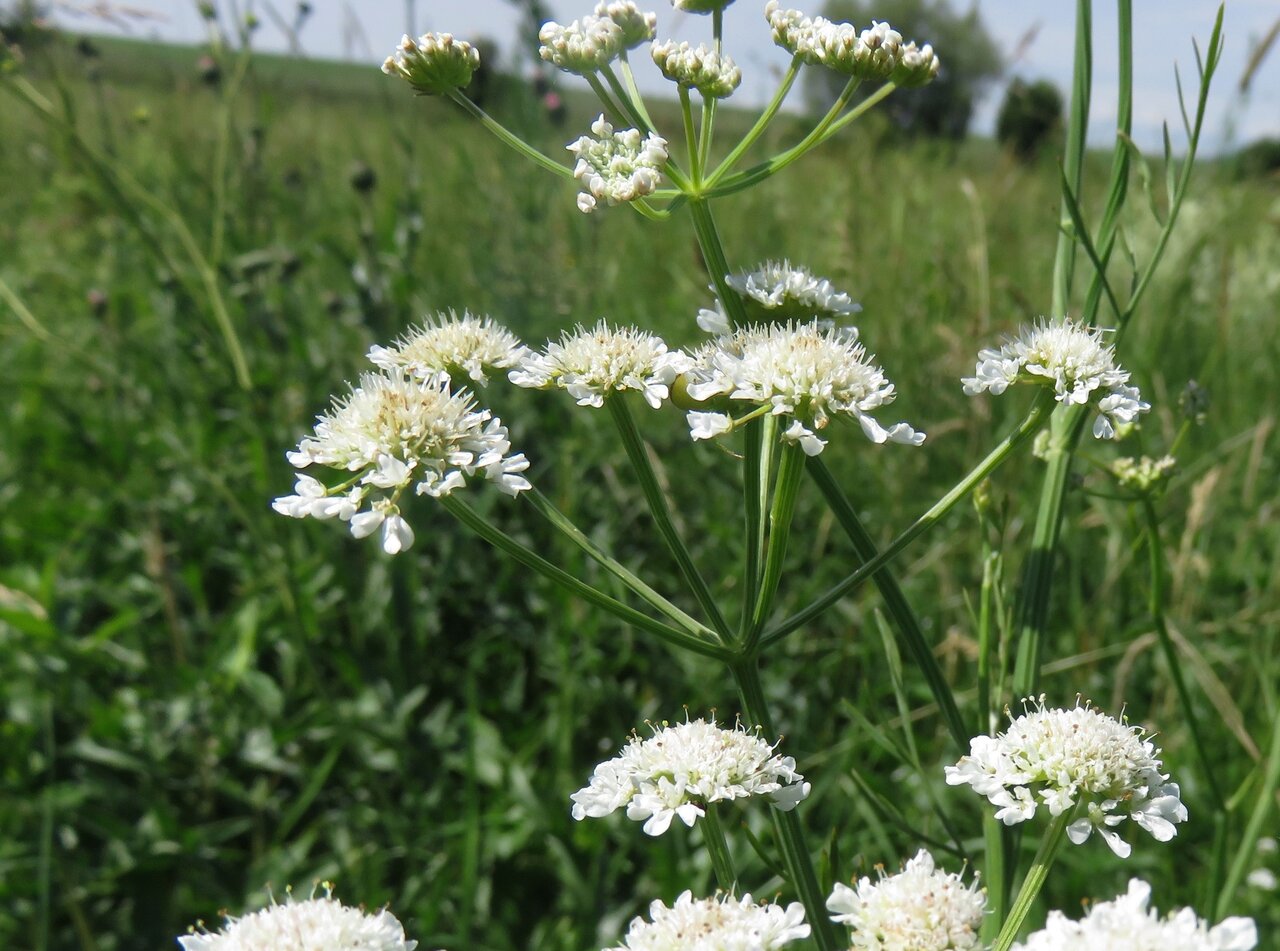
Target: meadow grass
(202, 699)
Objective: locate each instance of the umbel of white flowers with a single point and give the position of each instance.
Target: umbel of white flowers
(433, 64)
(697, 67)
(778, 291)
(316, 924)
(715, 924)
(875, 53)
(1071, 358)
(616, 167)
(1128, 923)
(447, 345)
(682, 769)
(920, 908)
(1064, 759)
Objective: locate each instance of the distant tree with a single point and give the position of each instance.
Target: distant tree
(970, 59)
(1030, 117)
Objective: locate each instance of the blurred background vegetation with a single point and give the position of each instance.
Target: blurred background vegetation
(202, 698)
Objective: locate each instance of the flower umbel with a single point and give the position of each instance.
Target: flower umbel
(1127, 923)
(681, 769)
(591, 364)
(876, 53)
(392, 431)
(1073, 759)
(447, 344)
(637, 26)
(918, 909)
(434, 63)
(715, 924)
(1073, 360)
(316, 924)
(1143, 474)
(584, 46)
(698, 67)
(801, 370)
(617, 167)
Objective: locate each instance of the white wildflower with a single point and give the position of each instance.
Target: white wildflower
(1143, 474)
(434, 63)
(699, 67)
(584, 46)
(447, 344)
(617, 167)
(1128, 924)
(679, 770)
(1073, 360)
(917, 66)
(591, 364)
(391, 432)
(798, 370)
(715, 924)
(778, 291)
(919, 909)
(1073, 759)
(637, 26)
(791, 28)
(875, 53)
(316, 924)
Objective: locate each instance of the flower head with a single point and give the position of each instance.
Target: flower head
(1073, 360)
(617, 167)
(918, 909)
(1127, 924)
(392, 431)
(804, 371)
(679, 770)
(447, 344)
(584, 46)
(715, 924)
(918, 66)
(1143, 474)
(778, 291)
(875, 53)
(1073, 759)
(698, 67)
(316, 924)
(637, 26)
(434, 63)
(591, 364)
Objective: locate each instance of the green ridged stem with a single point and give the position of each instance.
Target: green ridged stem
(1050, 845)
(717, 846)
(786, 491)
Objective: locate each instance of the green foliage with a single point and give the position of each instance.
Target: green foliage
(1030, 117)
(203, 699)
(970, 60)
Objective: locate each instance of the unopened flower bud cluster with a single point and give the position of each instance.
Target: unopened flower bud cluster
(1143, 474)
(617, 167)
(433, 64)
(584, 46)
(637, 26)
(876, 53)
(698, 67)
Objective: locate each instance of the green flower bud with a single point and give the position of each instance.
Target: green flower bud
(433, 64)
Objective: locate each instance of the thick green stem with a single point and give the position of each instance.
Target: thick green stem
(995, 876)
(531, 559)
(1039, 413)
(795, 853)
(638, 454)
(1054, 836)
(721, 859)
(785, 493)
(704, 227)
(895, 601)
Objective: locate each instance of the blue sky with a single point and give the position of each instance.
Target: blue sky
(364, 30)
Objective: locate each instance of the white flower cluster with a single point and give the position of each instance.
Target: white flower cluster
(1062, 758)
(591, 364)
(919, 909)
(637, 26)
(1128, 924)
(392, 431)
(700, 67)
(1143, 474)
(876, 53)
(715, 924)
(1073, 360)
(584, 46)
(617, 167)
(804, 371)
(447, 344)
(316, 924)
(434, 63)
(681, 769)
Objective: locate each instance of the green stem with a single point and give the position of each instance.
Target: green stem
(690, 137)
(563, 524)
(633, 91)
(1245, 854)
(1054, 836)
(708, 116)
(721, 859)
(995, 876)
(629, 95)
(895, 601)
(757, 463)
(786, 825)
(510, 138)
(638, 454)
(704, 227)
(1073, 155)
(986, 643)
(762, 123)
(785, 492)
(623, 112)
(531, 559)
(1039, 413)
